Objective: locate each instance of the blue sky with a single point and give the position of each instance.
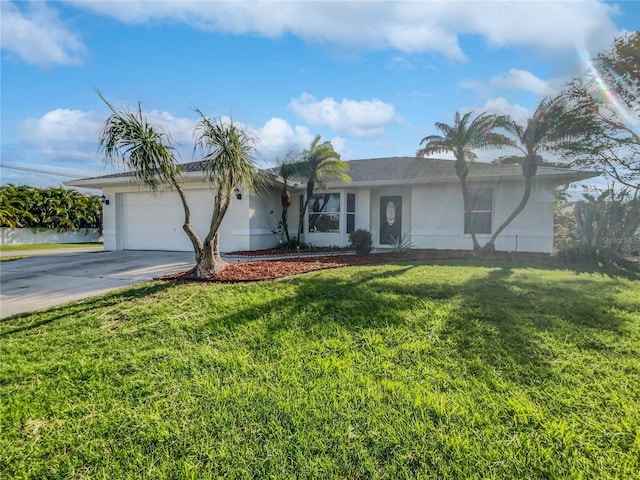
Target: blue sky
(372, 77)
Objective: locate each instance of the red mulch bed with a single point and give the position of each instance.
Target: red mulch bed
(271, 269)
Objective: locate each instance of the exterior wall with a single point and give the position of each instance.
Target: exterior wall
(265, 212)
(438, 218)
(432, 215)
(28, 236)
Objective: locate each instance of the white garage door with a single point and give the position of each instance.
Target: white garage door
(148, 222)
(152, 223)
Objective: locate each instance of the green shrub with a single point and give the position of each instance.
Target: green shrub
(57, 208)
(361, 241)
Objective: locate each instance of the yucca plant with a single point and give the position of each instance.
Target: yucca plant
(401, 243)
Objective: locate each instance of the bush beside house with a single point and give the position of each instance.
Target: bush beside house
(31, 215)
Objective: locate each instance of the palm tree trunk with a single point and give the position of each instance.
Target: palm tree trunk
(301, 220)
(490, 246)
(285, 200)
(210, 262)
(465, 197)
(187, 227)
(285, 225)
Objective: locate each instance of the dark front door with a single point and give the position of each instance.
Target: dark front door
(390, 219)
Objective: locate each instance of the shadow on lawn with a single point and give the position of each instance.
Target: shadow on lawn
(29, 321)
(508, 317)
(501, 319)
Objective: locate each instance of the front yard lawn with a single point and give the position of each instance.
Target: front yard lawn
(407, 370)
(46, 246)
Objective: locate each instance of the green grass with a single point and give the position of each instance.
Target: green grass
(13, 257)
(44, 246)
(397, 371)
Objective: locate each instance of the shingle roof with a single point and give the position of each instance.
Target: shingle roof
(419, 170)
(412, 170)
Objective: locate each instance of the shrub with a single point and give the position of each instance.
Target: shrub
(361, 241)
(56, 208)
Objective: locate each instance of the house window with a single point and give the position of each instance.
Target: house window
(324, 213)
(351, 212)
(479, 212)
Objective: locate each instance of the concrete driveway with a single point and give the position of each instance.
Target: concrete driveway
(38, 282)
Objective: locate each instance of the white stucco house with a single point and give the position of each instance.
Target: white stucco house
(418, 197)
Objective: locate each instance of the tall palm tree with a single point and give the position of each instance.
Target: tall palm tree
(228, 161)
(320, 163)
(549, 129)
(286, 169)
(461, 139)
(146, 150)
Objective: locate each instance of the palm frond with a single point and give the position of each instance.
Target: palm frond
(227, 154)
(128, 139)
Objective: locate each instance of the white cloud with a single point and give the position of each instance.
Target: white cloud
(365, 118)
(473, 85)
(501, 106)
(410, 27)
(523, 80)
(38, 36)
(180, 129)
(73, 135)
(276, 138)
(60, 126)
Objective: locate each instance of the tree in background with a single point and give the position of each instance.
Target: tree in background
(145, 149)
(461, 139)
(53, 208)
(607, 99)
(606, 226)
(318, 164)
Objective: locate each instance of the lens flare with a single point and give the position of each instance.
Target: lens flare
(606, 91)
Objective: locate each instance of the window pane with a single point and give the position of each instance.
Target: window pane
(480, 199)
(477, 222)
(324, 213)
(351, 202)
(327, 202)
(324, 223)
(351, 222)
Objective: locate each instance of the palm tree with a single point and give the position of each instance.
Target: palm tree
(549, 128)
(146, 150)
(321, 162)
(286, 169)
(461, 139)
(228, 162)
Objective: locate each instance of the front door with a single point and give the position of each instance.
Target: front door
(390, 219)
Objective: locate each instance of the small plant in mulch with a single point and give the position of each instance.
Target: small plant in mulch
(361, 241)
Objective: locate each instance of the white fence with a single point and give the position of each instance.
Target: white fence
(28, 236)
